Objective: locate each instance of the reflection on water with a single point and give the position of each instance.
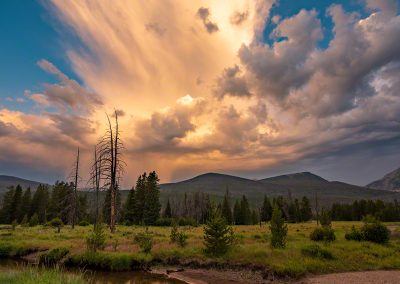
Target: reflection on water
(102, 277)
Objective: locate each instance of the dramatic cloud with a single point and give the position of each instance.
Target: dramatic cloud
(66, 95)
(200, 86)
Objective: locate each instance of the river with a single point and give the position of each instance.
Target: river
(102, 277)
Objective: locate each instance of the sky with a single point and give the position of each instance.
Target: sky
(246, 87)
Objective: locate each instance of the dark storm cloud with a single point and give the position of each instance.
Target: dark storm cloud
(204, 15)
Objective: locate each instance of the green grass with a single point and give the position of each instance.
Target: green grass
(35, 276)
(251, 248)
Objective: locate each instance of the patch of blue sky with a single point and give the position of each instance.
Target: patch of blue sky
(288, 8)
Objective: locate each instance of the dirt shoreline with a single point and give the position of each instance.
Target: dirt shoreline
(206, 276)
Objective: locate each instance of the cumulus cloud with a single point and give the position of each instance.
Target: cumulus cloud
(231, 83)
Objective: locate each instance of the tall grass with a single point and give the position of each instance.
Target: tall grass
(36, 276)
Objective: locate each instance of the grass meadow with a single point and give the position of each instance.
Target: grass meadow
(251, 249)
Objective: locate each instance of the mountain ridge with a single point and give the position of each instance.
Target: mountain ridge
(390, 181)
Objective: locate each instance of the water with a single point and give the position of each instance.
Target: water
(102, 277)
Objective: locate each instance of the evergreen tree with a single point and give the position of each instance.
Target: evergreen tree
(39, 203)
(266, 210)
(237, 213)
(82, 212)
(140, 199)
(255, 217)
(16, 204)
(129, 208)
(305, 209)
(218, 236)
(5, 213)
(245, 213)
(278, 229)
(167, 211)
(152, 204)
(26, 203)
(226, 209)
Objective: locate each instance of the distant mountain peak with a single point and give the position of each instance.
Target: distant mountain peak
(296, 177)
(390, 181)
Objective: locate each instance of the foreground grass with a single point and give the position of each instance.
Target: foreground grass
(35, 276)
(252, 249)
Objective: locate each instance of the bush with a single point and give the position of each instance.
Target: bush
(317, 252)
(374, 231)
(5, 250)
(53, 257)
(278, 229)
(97, 239)
(24, 221)
(326, 234)
(34, 221)
(145, 241)
(325, 218)
(182, 239)
(84, 223)
(174, 234)
(56, 223)
(354, 235)
(218, 236)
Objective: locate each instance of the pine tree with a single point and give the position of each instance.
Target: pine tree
(226, 209)
(266, 210)
(152, 205)
(254, 217)
(218, 236)
(305, 209)
(5, 213)
(237, 213)
(26, 204)
(129, 208)
(278, 229)
(167, 211)
(16, 204)
(140, 199)
(245, 213)
(39, 203)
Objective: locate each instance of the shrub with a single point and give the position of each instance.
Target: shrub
(97, 239)
(326, 234)
(374, 231)
(34, 221)
(182, 239)
(145, 241)
(218, 236)
(174, 234)
(56, 223)
(317, 252)
(317, 234)
(278, 229)
(84, 223)
(5, 250)
(325, 218)
(53, 256)
(354, 235)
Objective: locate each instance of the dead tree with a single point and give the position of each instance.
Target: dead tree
(317, 207)
(74, 199)
(95, 178)
(112, 166)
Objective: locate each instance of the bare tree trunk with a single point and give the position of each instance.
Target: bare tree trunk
(75, 197)
(316, 208)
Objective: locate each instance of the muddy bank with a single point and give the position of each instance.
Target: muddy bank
(364, 277)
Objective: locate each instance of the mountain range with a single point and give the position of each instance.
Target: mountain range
(391, 181)
(295, 185)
